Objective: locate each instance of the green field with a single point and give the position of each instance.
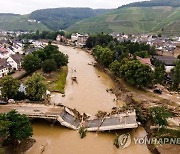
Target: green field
(133, 20)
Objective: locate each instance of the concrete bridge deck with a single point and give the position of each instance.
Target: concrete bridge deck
(67, 118)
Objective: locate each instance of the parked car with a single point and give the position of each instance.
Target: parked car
(3, 102)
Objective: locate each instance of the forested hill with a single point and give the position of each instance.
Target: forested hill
(62, 18)
(172, 3)
(50, 19)
(16, 22)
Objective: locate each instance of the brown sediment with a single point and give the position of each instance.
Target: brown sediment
(21, 148)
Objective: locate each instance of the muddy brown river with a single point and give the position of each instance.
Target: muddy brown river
(87, 95)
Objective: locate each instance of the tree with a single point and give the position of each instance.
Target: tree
(97, 51)
(17, 127)
(49, 66)
(35, 88)
(31, 63)
(159, 74)
(4, 126)
(51, 49)
(136, 73)
(91, 41)
(99, 39)
(10, 87)
(176, 76)
(114, 67)
(159, 115)
(40, 54)
(119, 50)
(60, 59)
(106, 57)
(142, 54)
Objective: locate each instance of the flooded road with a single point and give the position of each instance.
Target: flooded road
(87, 95)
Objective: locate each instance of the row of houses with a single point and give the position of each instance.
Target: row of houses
(161, 43)
(169, 62)
(12, 51)
(77, 39)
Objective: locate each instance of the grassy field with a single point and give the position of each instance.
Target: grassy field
(133, 20)
(59, 81)
(55, 81)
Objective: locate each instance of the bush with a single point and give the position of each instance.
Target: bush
(82, 132)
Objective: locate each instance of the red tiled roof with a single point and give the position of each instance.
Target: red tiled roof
(145, 61)
(3, 50)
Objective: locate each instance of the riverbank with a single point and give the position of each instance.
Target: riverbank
(137, 98)
(20, 148)
(143, 100)
(55, 81)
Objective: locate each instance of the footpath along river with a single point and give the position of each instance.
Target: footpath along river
(87, 95)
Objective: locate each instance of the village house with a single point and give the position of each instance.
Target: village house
(37, 44)
(79, 39)
(169, 62)
(146, 61)
(15, 61)
(4, 67)
(4, 52)
(61, 38)
(17, 48)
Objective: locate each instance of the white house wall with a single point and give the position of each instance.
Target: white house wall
(168, 68)
(12, 63)
(3, 71)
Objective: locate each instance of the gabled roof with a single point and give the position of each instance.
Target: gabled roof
(4, 64)
(145, 61)
(17, 58)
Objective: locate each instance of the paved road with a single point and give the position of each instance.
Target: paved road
(51, 111)
(29, 109)
(109, 121)
(70, 119)
(113, 121)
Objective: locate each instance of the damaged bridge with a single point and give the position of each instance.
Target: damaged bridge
(73, 119)
(92, 123)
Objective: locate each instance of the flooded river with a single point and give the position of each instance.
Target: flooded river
(87, 95)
